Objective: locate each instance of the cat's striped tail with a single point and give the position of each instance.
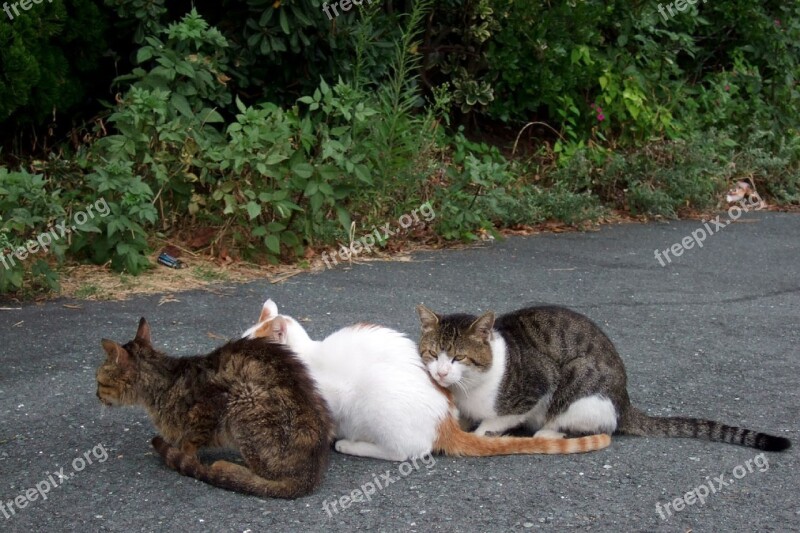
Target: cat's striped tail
(636, 422)
(227, 475)
(452, 440)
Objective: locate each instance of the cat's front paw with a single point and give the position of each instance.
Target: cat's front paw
(487, 431)
(160, 444)
(344, 446)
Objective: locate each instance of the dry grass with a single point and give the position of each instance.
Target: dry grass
(203, 272)
(90, 282)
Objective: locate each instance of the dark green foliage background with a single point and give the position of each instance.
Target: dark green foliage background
(282, 128)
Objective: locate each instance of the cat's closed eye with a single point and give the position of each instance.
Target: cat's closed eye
(460, 356)
(429, 354)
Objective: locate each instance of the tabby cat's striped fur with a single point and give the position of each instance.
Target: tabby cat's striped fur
(553, 370)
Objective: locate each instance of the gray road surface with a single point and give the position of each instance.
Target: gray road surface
(713, 334)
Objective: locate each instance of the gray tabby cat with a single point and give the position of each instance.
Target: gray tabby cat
(552, 370)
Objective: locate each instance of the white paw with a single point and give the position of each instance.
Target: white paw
(549, 434)
(482, 430)
(345, 446)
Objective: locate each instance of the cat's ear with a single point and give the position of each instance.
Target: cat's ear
(482, 327)
(427, 318)
(143, 333)
(280, 327)
(116, 353)
(268, 310)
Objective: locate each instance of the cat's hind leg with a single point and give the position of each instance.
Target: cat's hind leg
(587, 415)
(549, 434)
(367, 449)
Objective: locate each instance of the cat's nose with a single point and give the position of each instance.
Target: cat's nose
(441, 373)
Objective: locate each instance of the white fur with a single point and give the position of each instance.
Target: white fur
(592, 414)
(270, 308)
(445, 371)
(477, 391)
(549, 434)
(377, 388)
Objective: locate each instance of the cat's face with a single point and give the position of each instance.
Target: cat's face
(282, 329)
(118, 374)
(455, 348)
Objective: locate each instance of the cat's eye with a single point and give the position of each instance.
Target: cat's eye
(429, 353)
(460, 356)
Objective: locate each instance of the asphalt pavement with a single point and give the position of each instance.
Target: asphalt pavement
(714, 333)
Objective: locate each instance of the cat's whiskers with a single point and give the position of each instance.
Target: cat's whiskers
(463, 388)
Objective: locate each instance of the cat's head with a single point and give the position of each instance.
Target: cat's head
(455, 347)
(278, 328)
(119, 373)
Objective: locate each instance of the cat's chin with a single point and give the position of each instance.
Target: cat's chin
(446, 383)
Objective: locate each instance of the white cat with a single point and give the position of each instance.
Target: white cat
(383, 401)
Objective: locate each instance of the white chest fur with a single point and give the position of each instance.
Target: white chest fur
(478, 397)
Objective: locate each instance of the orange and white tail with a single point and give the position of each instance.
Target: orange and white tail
(452, 440)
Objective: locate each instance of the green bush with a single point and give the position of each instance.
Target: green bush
(283, 129)
(29, 205)
(47, 56)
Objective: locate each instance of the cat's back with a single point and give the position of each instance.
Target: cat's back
(552, 329)
(365, 344)
(551, 317)
(260, 361)
(377, 385)
(377, 362)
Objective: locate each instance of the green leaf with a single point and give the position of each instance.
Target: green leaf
(363, 174)
(284, 21)
(329, 172)
(210, 116)
(311, 188)
(290, 238)
(324, 87)
(303, 170)
(185, 69)
(344, 218)
(273, 244)
(143, 54)
(253, 209)
(180, 103)
(275, 158)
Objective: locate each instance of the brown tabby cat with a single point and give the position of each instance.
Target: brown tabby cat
(553, 371)
(250, 395)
